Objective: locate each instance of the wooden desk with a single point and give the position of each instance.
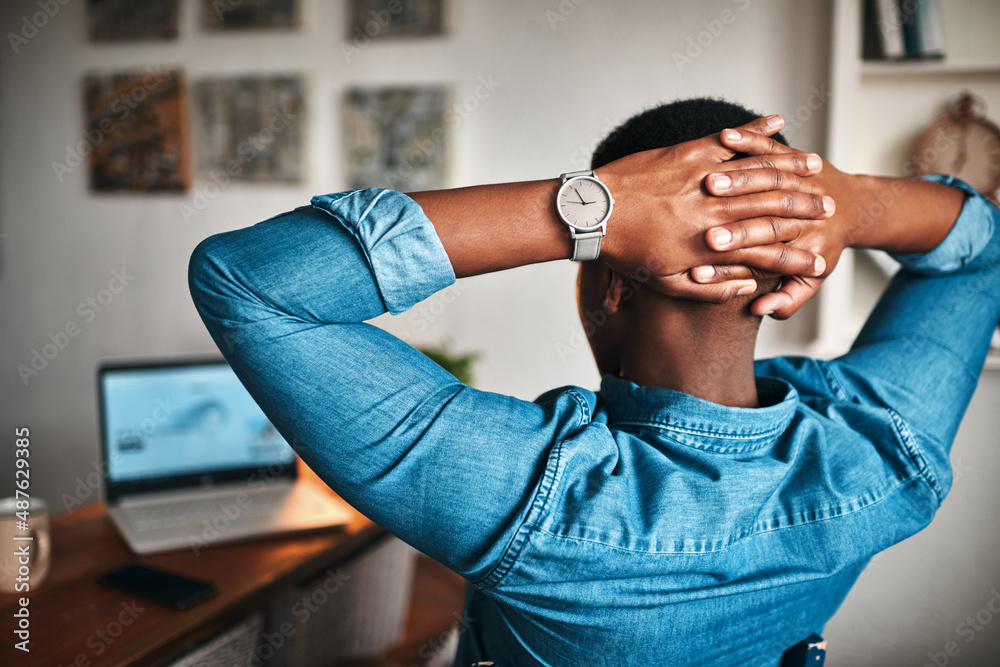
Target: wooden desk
(69, 610)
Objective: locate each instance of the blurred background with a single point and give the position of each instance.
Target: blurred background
(126, 141)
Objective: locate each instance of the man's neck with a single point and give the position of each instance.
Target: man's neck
(685, 350)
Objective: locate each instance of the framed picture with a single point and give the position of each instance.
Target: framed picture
(397, 138)
(395, 18)
(248, 14)
(131, 20)
(137, 130)
(251, 128)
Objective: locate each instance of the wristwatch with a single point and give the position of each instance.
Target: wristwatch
(584, 203)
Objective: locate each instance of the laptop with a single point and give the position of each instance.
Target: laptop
(191, 461)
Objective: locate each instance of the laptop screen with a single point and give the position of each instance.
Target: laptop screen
(183, 424)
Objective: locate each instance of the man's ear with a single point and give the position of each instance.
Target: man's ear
(617, 286)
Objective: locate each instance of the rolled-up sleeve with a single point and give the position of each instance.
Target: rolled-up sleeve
(449, 469)
(405, 255)
(972, 232)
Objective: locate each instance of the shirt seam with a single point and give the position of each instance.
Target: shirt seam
(916, 456)
(833, 382)
(545, 488)
(899, 482)
(539, 503)
(714, 434)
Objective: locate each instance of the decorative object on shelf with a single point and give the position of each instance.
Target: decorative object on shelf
(250, 128)
(240, 14)
(897, 29)
(137, 131)
(963, 143)
(128, 20)
(370, 19)
(397, 137)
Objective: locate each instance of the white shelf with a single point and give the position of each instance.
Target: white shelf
(877, 109)
(925, 67)
(993, 361)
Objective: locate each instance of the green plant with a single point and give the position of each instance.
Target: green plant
(458, 365)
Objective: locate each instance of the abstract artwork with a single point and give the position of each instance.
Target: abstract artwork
(137, 130)
(397, 138)
(129, 20)
(395, 18)
(240, 14)
(251, 128)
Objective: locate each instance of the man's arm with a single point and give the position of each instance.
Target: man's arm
(897, 215)
(924, 345)
(449, 469)
(660, 216)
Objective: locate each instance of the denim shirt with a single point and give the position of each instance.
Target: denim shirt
(629, 526)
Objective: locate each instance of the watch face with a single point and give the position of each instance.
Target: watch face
(584, 203)
(968, 150)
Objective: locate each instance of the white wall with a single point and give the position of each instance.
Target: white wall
(561, 90)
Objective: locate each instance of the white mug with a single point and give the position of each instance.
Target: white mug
(24, 554)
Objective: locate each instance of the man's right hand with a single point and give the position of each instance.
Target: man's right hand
(663, 211)
(896, 215)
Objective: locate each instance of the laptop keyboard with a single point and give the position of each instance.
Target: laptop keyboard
(195, 512)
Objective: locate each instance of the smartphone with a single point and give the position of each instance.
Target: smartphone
(171, 589)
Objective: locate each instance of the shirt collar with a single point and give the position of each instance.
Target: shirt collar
(696, 421)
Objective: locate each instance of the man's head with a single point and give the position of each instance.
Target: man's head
(671, 124)
(613, 307)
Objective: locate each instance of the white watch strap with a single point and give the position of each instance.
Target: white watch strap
(587, 246)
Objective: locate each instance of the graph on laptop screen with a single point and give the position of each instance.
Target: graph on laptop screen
(171, 421)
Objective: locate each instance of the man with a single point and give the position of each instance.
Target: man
(699, 509)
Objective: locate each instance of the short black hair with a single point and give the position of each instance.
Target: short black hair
(670, 124)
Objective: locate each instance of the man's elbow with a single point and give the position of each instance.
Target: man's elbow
(208, 278)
